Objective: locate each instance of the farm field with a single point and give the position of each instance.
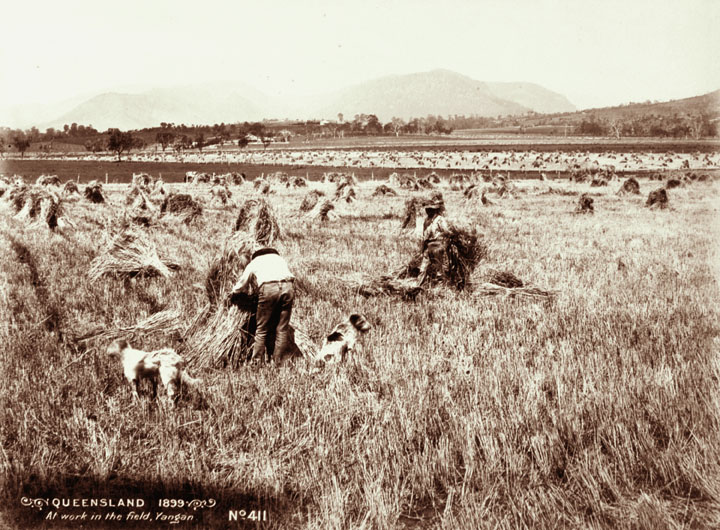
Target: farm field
(378, 163)
(596, 408)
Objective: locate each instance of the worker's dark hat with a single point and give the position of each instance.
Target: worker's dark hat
(262, 251)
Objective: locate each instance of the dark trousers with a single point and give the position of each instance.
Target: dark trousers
(432, 259)
(275, 301)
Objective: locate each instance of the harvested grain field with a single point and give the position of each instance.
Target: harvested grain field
(595, 405)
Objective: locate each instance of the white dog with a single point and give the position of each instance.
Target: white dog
(165, 364)
(344, 340)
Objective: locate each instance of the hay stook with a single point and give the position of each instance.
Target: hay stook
(257, 217)
(93, 192)
(382, 189)
(310, 200)
(658, 199)
(585, 204)
(130, 254)
(182, 205)
(630, 187)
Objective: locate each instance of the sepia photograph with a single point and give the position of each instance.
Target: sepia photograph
(360, 265)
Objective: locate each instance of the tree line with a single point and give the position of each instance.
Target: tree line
(180, 137)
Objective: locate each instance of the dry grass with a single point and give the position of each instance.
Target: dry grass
(596, 409)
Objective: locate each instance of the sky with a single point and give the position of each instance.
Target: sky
(596, 53)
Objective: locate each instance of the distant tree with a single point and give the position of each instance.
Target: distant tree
(21, 143)
(700, 125)
(95, 146)
(396, 125)
(200, 141)
(119, 141)
(266, 140)
(182, 142)
(373, 125)
(164, 138)
(243, 142)
(138, 143)
(340, 117)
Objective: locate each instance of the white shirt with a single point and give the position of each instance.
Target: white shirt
(265, 268)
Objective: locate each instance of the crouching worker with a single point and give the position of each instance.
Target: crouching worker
(269, 274)
(433, 246)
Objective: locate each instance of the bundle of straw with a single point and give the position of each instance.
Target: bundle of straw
(322, 211)
(50, 210)
(382, 189)
(159, 187)
(142, 181)
(257, 216)
(491, 289)
(658, 199)
(236, 178)
(585, 204)
(464, 249)
(200, 178)
(471, 191)
(406, 288)
(310, 200)
(227, 268)
(70, 187)
(17, 195)
(182, 205)
(221, 193)
(425, 184)
(31, 198)
(135, 191)
(413, 208)
(168, 322)
(93, 192)
(48, 180)
(129, 254)
(433, 177)
(296, 182)
(502, 278)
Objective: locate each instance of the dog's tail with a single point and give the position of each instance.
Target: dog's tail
(190, 381)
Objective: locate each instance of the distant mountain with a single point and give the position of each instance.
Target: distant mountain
(197, 104)
(533, 97)
(439, 92)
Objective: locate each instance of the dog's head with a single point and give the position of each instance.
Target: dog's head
(117, 347)
(343, 339)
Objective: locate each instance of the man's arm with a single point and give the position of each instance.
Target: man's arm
(443, 226)
(244, 280)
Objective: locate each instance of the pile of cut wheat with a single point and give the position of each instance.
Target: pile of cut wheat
(257, 218)
(130, 254)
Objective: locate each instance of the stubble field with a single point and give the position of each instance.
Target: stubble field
(599, 408)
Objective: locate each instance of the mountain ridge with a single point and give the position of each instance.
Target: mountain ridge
(439, 92)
